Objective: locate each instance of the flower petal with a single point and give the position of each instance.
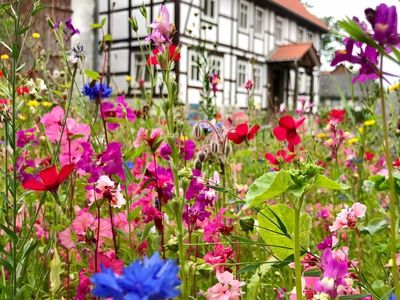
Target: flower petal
(300, 122)
(253, 131)
(65, 172)
(293, 139)
(49, 176)
(271, 158)
(287, 122)
(242, 129)
(280, 133)
(34, 185)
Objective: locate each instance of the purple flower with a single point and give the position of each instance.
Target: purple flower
(335, 269)
(118, 110)
(71, 28)
(186, 150)
(25, 137)
(384, 23)
(111, 160)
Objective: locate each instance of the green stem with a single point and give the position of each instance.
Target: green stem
(297, 262)
(392, 191)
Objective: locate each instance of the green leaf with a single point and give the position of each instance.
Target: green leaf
(92, 74)
(37, 8)
(134, 214)
(55, 272)
(312, 273)
(103, 22)
(76, 136)
(107, 38)
(256, 280)
(374, 226)
(269, 230)
(9, 232)
(322, 181)
(357, 296)
(96, 26)
(266, 187)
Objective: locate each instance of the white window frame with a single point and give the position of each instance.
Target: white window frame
(217, 60)
(207, 4)
(302, 37)
(281, 38)
(247, 12)
(257, 78)
(194, 71)
(242, 65)
(259, 22)
(140, 68)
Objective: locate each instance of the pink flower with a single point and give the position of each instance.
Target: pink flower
(107, 189)
(219, 256)
(226, 289)
(140, 136)
(218, 225)
(347, 217)
(249, 85)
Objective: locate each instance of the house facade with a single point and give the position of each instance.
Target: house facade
(275, 43)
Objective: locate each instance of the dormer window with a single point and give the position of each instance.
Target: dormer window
(209, 8)
(278, 29)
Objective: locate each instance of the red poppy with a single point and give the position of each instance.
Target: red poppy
(173, 55)
(242, 133)
(50, 179)
(337, 115)
(369, 155)
(287, 130)
(1, 73)
(22, 90)
(281, 156)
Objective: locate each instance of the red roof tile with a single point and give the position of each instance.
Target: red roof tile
(296, 8)
(290, 52)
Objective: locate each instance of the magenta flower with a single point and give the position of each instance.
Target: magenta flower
(219, 256)
(384, 23)
(162, 28)
(117, 110)
(24, 137)
(227, 288)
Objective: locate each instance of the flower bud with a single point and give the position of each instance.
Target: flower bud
(198, 165)
(134, 24)
(197, 132)
(247, 224)
(202, 156)
(214, 147)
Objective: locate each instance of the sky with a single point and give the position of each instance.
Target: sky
(339, 9)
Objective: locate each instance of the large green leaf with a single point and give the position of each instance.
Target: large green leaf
(271, 233)
(322, 181)
(266, 187)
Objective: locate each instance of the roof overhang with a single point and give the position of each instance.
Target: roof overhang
(295, 55)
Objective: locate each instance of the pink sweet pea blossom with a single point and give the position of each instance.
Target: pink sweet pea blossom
(348, 216)
(107, 189)
(226, 289)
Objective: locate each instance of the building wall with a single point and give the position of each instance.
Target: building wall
(221, 35)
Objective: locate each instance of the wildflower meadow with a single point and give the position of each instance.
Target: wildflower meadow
(107, 195)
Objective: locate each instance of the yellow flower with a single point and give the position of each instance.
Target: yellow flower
(352, 140)
(33, 103)
(21, 117)
(321, 135)
(46, 104)
(36, 35)
(4, 57)
(184, 138)
(369, 123)
(128, 78)
(394, 87)
(329, 142)
(360, 129)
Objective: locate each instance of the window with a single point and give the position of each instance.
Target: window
(278, 30)
(209, 8)
(257, 78)
(300, 34)
(141, 71)
(310, 36)
(242, 73)
(258, 28)
(216, 63)
(193, 68)
(243, 15)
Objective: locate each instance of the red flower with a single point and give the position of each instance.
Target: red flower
(22, 90)
(369, 155)
(50, 179)
(173, 55)
(396, 163)
(281, 156)
(1, 73)
(337, 115)
(241, 133)
(287, 130)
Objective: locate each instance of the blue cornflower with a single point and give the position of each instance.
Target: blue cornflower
(392, 297)
(150, 279)
(92, 90)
